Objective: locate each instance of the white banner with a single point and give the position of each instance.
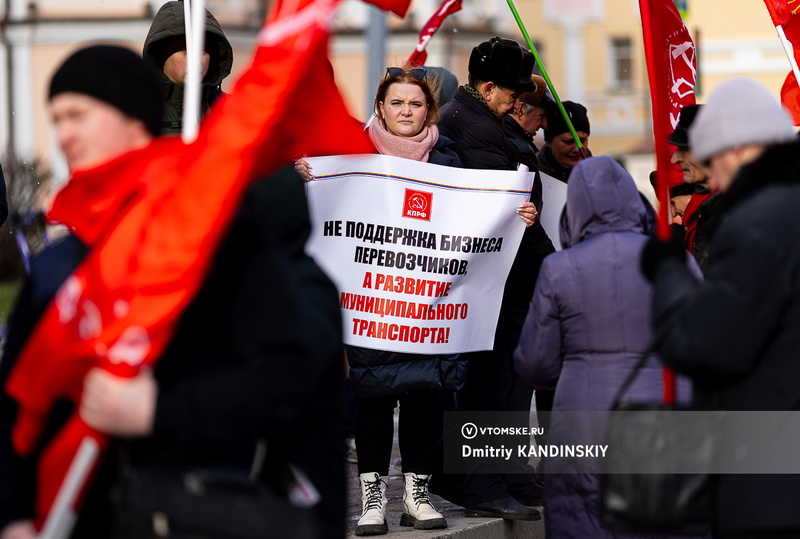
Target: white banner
(554, 196)
(419, 252)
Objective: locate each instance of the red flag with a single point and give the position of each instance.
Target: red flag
(447, 8)
(790, 95)
(783, 13)
(784, 17)
(671, 70)
(154, 227)
(398, 7)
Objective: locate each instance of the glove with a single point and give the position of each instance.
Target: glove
(656, 252)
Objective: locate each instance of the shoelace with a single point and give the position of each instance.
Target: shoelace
(419, 491)
(374, 495)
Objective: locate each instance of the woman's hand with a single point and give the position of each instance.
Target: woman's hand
(119, 406)
(527, 212)
(304, 169)
(19, 529)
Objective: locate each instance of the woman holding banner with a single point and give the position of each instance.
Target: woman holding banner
(404, 126)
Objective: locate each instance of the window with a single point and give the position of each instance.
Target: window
(621, 64)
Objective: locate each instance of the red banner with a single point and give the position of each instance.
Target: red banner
(447, 8)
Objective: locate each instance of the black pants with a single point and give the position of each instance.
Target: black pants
(419, 424)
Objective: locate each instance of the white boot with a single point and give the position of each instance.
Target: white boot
(418, 509)
(373, 505)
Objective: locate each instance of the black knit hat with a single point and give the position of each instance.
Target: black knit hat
(115, 75)
(503, 62)
(557, 125)
(680, 137)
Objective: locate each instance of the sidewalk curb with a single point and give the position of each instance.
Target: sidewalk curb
(472, 528)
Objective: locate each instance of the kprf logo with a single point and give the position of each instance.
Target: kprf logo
(417, 205)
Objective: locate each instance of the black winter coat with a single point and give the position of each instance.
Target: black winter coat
(168, 24)
(479, 137)
(257, 354)
(738, 334)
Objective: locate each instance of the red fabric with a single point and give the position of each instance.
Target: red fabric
(154, 217)
(671, 69)
(690, 216)
(783, 13)
(447, 8)
(398, 7)
(790, 94)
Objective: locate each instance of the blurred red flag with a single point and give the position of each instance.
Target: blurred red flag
(153, 220)
(447, 8)
(790, 94)
(398, 7)
(784, 15)
(671, 69)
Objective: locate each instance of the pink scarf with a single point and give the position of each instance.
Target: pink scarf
(417, 147)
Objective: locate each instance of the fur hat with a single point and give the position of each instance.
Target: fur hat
(503, 62)
(557, 125)
(535, 97)
(114, 75)
(680, 137)
(740, 111)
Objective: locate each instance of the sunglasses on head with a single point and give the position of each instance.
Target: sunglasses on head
(417, 73)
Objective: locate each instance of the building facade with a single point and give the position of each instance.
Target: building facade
(592, 50)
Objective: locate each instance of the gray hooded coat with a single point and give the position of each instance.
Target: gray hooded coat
(167, 25)
(588, 325)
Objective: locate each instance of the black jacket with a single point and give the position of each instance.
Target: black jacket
(738, 334)
(257, 354)
(168, 24)
(707, 223)
(478, 134)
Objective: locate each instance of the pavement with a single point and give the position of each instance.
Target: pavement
(458, 525)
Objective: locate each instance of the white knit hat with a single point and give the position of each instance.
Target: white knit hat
(738, 112)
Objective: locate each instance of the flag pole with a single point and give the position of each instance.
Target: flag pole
(194, 13)
(546, 78)
(62, 517)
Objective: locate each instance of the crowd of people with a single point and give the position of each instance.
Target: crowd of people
(250, 367)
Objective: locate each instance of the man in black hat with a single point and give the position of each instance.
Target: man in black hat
(561, 153)
(499, 72)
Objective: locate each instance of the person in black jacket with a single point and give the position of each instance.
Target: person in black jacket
(736, 335)
(499, 72)
(255, 357)
(560, 152)
(165, 49)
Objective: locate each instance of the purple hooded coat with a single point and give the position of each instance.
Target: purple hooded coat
(588, 326)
